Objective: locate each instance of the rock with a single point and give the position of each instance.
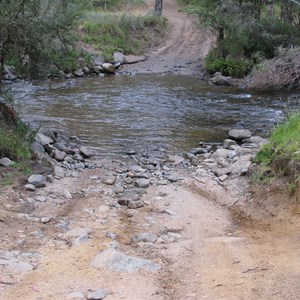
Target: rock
(78, 157)
(43, 139)
(49, 133)
(97, 69)
(109, 179)
(37, 180)
(60, 146)
(79, 73)
(142, 183)
(37, 149)
(222, 171)
(221, 153)
(59, 155)
(75, 295)
(132, 59)
(40, 198)
(77, 235)
(30, 187)
(197, 151)
(221, 161)
(109, 68)
(219, 79)
(228, 143)
(241, 166)
(98, 295)
(145, 237)
(58, 172)
(8, 73)
(120, 262)
(45, 220)
(119, 190)
(86, 152)
(223, 178)
(256, 140)
(175, 159)
(240, 134)
(86, 70)
(6, 162)
(20, 267)
(131, 152)
(119, 57)
(67, 194)
(98, 60)
(135, 204)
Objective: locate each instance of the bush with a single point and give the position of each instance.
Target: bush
(281, 157)
(228, 67)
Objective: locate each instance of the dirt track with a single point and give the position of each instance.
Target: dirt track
(216, 240)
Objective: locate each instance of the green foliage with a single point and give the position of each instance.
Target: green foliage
(281, 155)
(228, 67)
(114, 32)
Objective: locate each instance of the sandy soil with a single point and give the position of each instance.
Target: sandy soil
(216, 240)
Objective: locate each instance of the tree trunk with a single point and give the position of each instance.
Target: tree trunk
(1, 60)
(158, 7)
(271, 8)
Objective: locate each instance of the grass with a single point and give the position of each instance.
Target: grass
(281, 156)
(129, 34)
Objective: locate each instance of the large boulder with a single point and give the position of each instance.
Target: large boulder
(119, 57)
(37, 180)
(240, 134)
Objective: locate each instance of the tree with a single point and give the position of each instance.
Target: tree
(158, 7)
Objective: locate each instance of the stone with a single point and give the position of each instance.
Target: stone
(98, 60)
(222, 171)
(228, 143)
(109, 179)
(175, 159)
(78, 157)
(108, 68)
(256, 140)
(67, 194)
(43, 139)
(37, 149)
(241, 166)
(98, 295)
(58, 172)
(86, 152)
(119, 190)
(86, 70)
(79, 73)
(75, 296)
(145, 237)
(221, 153)
(40, 198)
(240, 134)
(20, 267)
(197, 151)
(97, 69)
(37, 180)
(60, 146)
(59, 155)
(52, 134)
(132, 59)
(135, 204)
(45, 220)
(142, 183)
(131, 152)
(6, 162)
(77, 235)
(223, 178)
(219, 79)
(119, 262)
(119, 57)
(30, 187)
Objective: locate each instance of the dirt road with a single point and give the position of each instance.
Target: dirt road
(194, 238)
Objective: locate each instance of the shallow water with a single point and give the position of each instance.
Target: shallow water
(116, 113)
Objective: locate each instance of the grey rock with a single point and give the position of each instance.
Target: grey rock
(43, 139)
(119, 190)
(197, 151)
(98, 60)
(58, 172)
(145, 237)
(78, 157)
(86, 70)
(77, 235)
(6, 162)
(120, 262)
(228, 143)
(49, 133)
(20, 267)
(175, 159)
(75, 295)
(40, 198)
(131, 152)
(37, 149)
(87, 152)
(119, 57)
(97, 69)
(240, 134)
(98, 295)
(109, 179)
(30, 187)
(135, 204)
(222, 171)
(69, 159)
(142, 183)
(60, 146)
(108, 68)
(241, 166)
(219, 79)
(37, 180)
(256, 140)
(45, 220)
(59, 155)
(221, 153)
(67, 194)
(223, 178)
(79, 73)
(132, 59)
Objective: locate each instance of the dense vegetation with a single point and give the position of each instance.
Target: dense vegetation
(248, 32)
(281, 157)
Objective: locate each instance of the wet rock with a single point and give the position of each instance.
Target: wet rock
(37, 180)
(98, 295)
(109, 179)
(142, 183)
(30, 187)
(79, 73)
(43, 139)
(108, 68)
(59, 155)
(87, 152)
(145, 237)
(131, 152)
(75, 296)
(86, 70)
(119, 262)
(240, 134)
(97, 69)
(6, 162)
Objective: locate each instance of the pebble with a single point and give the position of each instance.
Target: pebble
(98, 295)
(45, 220)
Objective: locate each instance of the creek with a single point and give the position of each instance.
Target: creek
(116, 113)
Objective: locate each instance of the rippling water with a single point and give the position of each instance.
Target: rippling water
(120, 112)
